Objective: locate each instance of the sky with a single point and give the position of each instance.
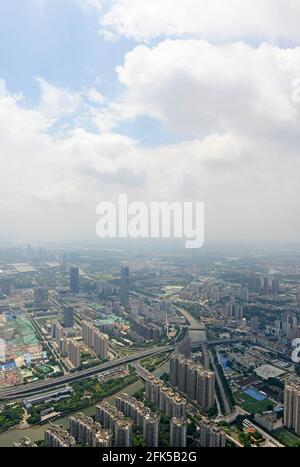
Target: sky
(173, 100)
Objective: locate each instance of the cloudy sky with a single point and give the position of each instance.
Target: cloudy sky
(163, 100)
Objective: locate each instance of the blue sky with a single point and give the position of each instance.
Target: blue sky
(59, 42)
(165, 100)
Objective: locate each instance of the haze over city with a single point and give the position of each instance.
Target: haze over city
(149, 239)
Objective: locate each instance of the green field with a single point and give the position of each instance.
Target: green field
(287, 438)
(251, 405)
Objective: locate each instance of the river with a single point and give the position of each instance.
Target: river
(36, 433)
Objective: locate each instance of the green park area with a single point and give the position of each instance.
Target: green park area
(252, 405)
(86, 392)
(152, 363)
(10, 416)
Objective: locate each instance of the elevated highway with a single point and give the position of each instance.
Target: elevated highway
(21, 392)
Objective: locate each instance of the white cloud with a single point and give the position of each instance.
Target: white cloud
(55, 101)
(144, 20)
(233, 107)
(195, 88)
(85, 4)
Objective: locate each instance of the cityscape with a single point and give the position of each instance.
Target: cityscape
(115, 349)
(149, 236)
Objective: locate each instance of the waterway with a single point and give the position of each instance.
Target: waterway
(36, 433)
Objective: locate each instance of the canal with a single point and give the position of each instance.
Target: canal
(36, 433)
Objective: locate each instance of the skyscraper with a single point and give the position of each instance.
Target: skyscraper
(275, 286)
(124, 289)
(74, 279)
(68, 317)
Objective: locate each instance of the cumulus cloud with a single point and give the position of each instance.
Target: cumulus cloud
(232, 106)
(59, 178)
(229, 20)
(196, 87)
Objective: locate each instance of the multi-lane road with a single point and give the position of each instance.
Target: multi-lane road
(29, 389)
(25, 391)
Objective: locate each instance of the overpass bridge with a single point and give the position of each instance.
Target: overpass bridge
(27, 390)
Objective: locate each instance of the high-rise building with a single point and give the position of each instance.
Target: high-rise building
(57, 332)
(74, 279)
(184, 347)
(73, 349)
(211, 436)
(111, 418)
(168, 401)
(88, 432)
(174, 369)
(275, 286)
(292, 407)
(41, 295)
(142, 417)
(151, 430)
(298, 297)
(178, 432)
(206, 381)
(58, 437)
(153, 388)
(124, 289)
(254, 324)
(68, 317)
(95, 339)
(3, 350)
(233, 311)
(193, 380)
(6, 286)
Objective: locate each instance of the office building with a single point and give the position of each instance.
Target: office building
(275, 286)
(124, 288)
(68, 317)
(74, 279)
